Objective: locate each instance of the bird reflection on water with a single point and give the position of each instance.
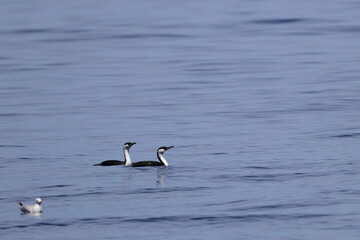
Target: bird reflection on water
(31, 215)
(161, 176)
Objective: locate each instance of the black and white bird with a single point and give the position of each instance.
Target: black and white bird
(36, 208)
(127, 158)
(160, 156)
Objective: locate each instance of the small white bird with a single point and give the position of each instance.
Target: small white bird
(36, 208)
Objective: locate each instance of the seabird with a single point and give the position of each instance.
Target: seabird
(36, 208)
(160, 156)
(127, 158)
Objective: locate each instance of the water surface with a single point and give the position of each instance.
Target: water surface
(260, 99)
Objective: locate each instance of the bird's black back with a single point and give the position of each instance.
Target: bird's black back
(110, 163)
(147, 164)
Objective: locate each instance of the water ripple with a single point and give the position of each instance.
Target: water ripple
(56, 186)
(149, 35)
(278, 21)
(348, 135)
(12, 146)
(182, 219)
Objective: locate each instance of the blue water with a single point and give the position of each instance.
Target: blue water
(260, 99)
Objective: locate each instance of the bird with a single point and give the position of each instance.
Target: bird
(36, 208)
(162, 160)
(127, 158)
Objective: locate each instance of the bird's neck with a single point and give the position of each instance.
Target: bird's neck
(37, 208)
(162, 159)
(127, 157)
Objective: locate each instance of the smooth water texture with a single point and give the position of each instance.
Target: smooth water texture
(260, 99)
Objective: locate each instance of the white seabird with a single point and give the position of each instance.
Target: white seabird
(36, 208)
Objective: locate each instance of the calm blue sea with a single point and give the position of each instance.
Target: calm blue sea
(261, 100)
